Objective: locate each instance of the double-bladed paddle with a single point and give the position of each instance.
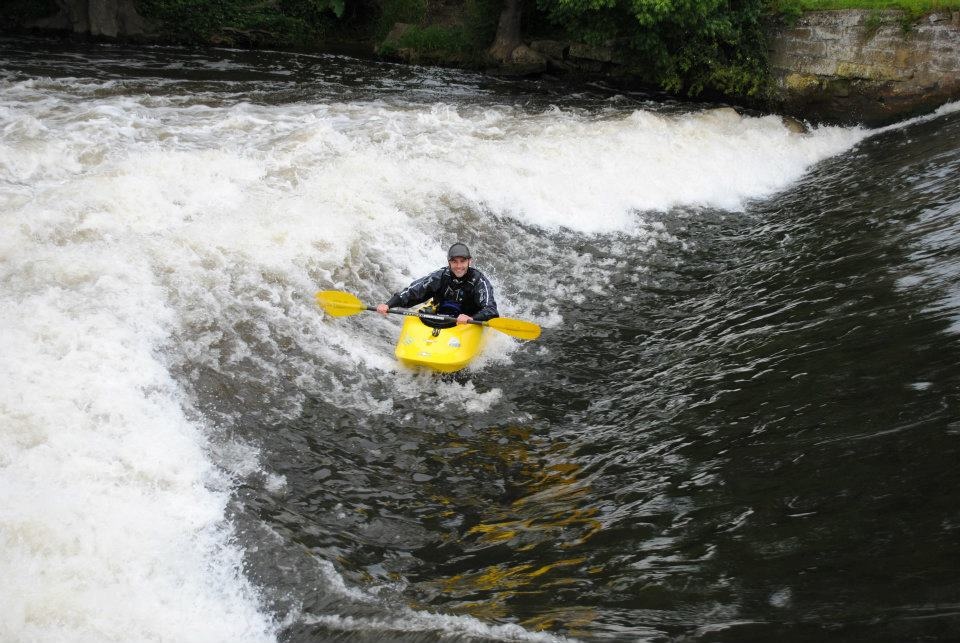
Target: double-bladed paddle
(343, 304)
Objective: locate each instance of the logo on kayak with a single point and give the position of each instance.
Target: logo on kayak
(454, 342)
(408, 341)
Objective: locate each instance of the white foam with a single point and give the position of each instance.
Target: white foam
(943, 110)
(139, 236)
(445, 625)
(111, 517)
(581, 172)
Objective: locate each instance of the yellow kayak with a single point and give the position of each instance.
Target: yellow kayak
(440, 349)
(421, 345)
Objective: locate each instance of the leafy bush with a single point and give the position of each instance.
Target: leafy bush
(465, 40)
(17, 13)
(682, 45)
(287, 22)
(434, 39)
(394, 11)
(480, 22)
(193, 20)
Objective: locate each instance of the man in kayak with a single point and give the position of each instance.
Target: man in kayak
(459, 290)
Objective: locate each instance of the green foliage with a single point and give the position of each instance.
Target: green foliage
(463, 39)
(480, 22)
(873, 22)
(191, 19)
(911, 16)
(434, 39)
(683, 45)
(786, 10)
(279, 22)
(911, 10)
(877, 19)
(439, 44)
(312, 11)
(394, 11)
(17, 13)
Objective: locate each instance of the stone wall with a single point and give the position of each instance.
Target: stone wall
(865, 66)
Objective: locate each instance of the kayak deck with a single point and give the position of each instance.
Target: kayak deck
(440, 349)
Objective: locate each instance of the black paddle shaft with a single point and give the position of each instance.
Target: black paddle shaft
(430, 316)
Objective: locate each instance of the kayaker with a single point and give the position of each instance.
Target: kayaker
(459, 290)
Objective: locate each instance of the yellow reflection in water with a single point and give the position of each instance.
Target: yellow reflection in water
(547, 509)
(573, 619)
(504, 578)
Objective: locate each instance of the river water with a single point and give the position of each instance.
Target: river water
(741, 422)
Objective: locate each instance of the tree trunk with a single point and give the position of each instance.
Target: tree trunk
(110, 18)
(508, 31)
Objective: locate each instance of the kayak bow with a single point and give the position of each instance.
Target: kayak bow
(440, 349)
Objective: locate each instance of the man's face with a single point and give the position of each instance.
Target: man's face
(458, 266)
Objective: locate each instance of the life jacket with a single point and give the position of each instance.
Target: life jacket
(456, 295)
(452, 298)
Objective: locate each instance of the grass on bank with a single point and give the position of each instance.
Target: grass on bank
(912, 10)
(910, 6)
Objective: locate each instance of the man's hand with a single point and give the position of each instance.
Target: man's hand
(382, 309)
(464, 319)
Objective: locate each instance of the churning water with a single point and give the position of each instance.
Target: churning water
(740, 424)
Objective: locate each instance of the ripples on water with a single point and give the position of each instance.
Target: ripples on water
(739, 424)
(756, 438)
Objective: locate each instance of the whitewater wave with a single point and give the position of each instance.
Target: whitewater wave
(156, 283)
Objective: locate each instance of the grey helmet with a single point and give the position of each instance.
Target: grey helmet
(458, 250)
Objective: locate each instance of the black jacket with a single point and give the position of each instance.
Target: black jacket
(472, 293)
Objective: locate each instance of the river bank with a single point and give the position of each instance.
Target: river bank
(870, 67)
(851, 66)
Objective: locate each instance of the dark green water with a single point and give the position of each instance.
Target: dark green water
(761, 444)
(746, 431)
